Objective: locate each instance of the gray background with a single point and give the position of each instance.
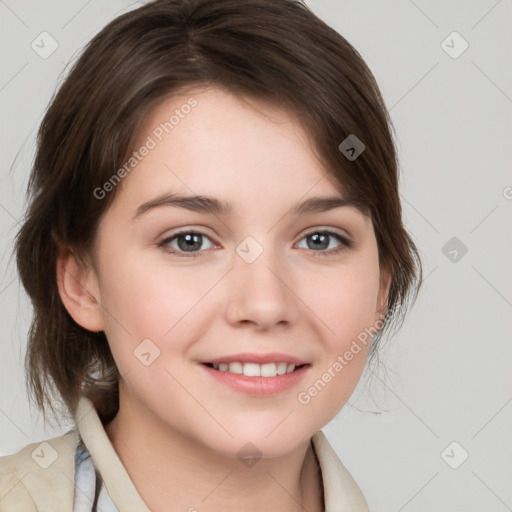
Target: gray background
(446, 376)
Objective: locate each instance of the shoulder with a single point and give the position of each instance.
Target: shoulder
(39, 476)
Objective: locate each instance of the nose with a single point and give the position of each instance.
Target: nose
(261, 293)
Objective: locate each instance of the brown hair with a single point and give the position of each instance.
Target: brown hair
(278, 52)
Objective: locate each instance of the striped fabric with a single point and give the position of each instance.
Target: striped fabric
(91, 495)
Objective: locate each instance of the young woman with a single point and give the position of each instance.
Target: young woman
(213, 248)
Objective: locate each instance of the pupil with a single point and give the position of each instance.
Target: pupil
(191, 241)
(319, 237)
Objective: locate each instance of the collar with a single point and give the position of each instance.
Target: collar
(341, 492)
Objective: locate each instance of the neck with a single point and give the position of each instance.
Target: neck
(167, 467)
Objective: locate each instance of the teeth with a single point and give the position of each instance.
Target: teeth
(268, 370)
(252, 370)
(235, 368)
(281, 368)
(256, 370)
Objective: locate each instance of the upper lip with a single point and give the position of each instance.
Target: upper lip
(253, 357)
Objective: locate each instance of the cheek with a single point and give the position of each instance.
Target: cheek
(143, 299)
(346, 305)
(345, 300)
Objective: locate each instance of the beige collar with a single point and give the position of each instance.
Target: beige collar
(341, 493)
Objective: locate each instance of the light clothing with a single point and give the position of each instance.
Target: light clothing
(80, 471)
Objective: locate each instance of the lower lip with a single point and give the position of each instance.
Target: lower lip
(258, 385)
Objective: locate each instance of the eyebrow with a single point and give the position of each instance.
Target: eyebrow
(212, 205)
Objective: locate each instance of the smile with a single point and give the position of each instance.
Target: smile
(257, 374)
(255, 369)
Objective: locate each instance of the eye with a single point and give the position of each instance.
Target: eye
(190, 243)
(185, 243)
(320, 242)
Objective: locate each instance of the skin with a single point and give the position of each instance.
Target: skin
(178, 430)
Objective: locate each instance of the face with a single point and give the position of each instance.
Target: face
(188, 291)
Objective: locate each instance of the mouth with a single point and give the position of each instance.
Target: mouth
(257, 379)
(250, 369)
(257, 373)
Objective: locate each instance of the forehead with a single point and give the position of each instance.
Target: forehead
(210, 142)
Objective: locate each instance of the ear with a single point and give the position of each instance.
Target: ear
(78, 290)
(382, 298)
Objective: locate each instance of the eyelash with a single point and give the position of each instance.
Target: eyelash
(345, 244)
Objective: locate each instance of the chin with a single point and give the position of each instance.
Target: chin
(250, 450)
(262, 439)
